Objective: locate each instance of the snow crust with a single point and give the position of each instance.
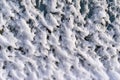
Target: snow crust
(59, 40)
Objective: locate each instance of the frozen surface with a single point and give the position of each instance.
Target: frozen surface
(59, 39)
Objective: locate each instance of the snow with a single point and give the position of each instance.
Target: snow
(59, 40)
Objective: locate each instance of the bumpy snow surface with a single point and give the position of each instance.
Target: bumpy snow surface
(59, 39)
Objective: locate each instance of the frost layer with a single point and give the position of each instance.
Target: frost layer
(59, 39)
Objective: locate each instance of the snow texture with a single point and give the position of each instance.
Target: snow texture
(59, 39)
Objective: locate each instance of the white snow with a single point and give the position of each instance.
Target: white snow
(59, 40)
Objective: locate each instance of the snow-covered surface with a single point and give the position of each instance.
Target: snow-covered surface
(59, 39)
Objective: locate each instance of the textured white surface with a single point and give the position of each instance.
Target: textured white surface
(59, 40)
